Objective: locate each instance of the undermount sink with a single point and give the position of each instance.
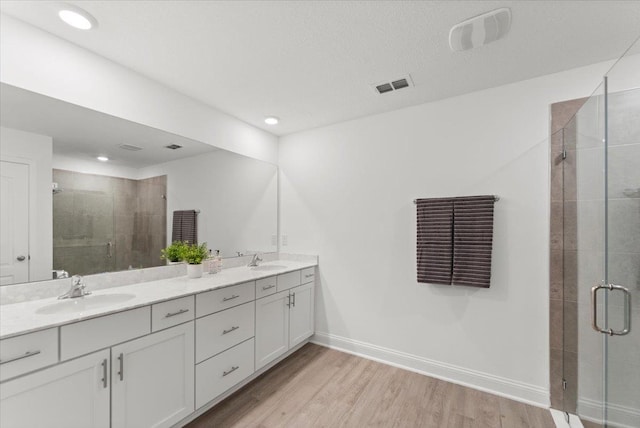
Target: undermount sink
(85, 303)
(269, 267)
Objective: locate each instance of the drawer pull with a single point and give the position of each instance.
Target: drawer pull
(234, 328)
(121, 372)
(104, 373)
(233, 369)
(226, 299)
(309, 275)
(173, 314)
(26, 355)
(268, 287)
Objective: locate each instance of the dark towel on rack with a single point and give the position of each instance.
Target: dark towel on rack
(185, 226)
(472, 240)
(435, 240)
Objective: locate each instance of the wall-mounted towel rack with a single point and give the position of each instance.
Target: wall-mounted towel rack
(495, 198)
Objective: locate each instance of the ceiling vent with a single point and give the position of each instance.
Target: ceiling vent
(130, 147)
(480, 30)
(173, 147)
(394, 85)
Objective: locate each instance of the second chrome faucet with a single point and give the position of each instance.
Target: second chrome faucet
(78, 288)
(255, 260)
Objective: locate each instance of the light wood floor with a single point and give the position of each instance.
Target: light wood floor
(320, 387)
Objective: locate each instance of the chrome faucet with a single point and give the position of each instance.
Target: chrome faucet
(255, 260)
(77, 288)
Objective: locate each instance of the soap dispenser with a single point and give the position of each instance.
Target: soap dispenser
(211, 262)
(218, 261)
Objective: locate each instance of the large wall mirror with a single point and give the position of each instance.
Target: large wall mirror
(65, 212)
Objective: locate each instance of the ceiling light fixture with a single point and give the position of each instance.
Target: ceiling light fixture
(102, 158)
(271, 120)
(77, 17)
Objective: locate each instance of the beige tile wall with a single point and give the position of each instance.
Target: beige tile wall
(562, 282)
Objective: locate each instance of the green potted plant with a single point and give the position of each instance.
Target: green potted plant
(173, 253)
(194, 255)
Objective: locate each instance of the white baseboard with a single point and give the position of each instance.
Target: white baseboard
(617, 416)
(514, 390)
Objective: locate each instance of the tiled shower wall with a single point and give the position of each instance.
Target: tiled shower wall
(149, 222)
(92, 211)
(563, 285)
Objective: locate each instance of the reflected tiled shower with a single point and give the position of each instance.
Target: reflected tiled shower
(105, 224)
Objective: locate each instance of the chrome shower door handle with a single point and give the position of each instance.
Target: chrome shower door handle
(594, 308)
(627, 310)
(626, 328)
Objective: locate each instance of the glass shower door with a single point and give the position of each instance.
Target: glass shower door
(621, 302)
(584, 259)
(601, 195)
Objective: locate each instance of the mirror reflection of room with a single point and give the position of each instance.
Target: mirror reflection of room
(102, 192)
(105, 224)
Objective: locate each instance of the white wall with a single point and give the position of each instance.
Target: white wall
(236, 196)
(40, 62)
(36, 151)
(347, 192)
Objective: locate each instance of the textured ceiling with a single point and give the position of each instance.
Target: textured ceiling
(311, 63)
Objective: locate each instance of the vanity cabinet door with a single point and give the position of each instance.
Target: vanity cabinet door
(153, 379)
(272, 327)
(301, 324)
(74, 394)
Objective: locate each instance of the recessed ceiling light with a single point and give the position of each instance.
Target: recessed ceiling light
(271, 120)
(77, 17)
(102, 158)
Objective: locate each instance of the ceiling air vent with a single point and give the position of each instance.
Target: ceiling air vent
(130, 147)
(394, 85)
(385, 87)
(399, 84)
(173, 147)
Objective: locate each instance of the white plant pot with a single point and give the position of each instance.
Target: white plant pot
(194, 271)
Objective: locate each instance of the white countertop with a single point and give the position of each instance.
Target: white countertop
(21, 318)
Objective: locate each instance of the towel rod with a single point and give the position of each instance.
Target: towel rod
(496, 198)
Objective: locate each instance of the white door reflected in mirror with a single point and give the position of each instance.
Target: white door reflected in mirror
(14, 223)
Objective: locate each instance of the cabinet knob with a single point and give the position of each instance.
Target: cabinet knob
(20, 258)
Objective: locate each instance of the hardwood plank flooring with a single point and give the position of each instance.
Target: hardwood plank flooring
(321, 387)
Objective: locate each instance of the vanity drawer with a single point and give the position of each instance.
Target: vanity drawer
(86, 336)
(288, 280)
(216, 375)
(173, 312)
(265, 287)
(223, 330)
(224, 298)
(308, 275)
(22, 354)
